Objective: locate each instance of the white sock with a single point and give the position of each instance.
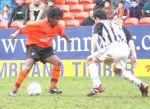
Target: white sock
(130, 77)
(93, 71)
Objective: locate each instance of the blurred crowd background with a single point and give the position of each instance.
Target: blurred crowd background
(16, 13)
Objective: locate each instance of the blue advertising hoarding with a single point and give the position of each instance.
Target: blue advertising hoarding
(78, 49)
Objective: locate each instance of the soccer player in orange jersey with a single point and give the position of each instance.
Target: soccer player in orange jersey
(39, 47)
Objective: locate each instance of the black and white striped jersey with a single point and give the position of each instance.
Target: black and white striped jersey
(110, 32)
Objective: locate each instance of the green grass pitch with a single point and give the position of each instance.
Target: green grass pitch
(118, 94)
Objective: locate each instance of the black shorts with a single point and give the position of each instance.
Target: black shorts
(39, 54)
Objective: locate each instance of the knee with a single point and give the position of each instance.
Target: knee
(27, 69)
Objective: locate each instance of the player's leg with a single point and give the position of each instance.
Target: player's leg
(22, 75)
(94, 75)
(31, 58)
(53, 59)
(119, 65)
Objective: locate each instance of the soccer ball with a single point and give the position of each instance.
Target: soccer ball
(34, 89)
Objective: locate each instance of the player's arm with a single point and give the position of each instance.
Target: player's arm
(132, 47)
(93, 43)
(92, 57)
(24, 30)
(97, 31)
(133, 52)
(61, 33)
(15, 34)
(66, 38)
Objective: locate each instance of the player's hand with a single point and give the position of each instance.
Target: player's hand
(91, 59)
(13, 36)
(134, 61)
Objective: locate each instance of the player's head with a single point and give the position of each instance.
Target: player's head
(54, 14)
(100, 14)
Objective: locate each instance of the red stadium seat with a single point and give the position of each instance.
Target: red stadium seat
(81, 15)
(72, 1)
(86, 1)
(118, 20)
(59, 2)
(145, 20)
(62, 22)
(89, 7)
(131, 21)
(16, 24)
(68, 16)
(65, 8)
(72, 23)
(77, 8)
(3, 25)
(28, 1)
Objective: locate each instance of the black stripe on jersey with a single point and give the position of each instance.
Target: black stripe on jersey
(115, 37)
(109, 37)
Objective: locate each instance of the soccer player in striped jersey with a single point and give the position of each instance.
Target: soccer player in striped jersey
(115, 40)
(39, 47)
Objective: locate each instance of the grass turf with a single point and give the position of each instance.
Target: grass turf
(118, 94)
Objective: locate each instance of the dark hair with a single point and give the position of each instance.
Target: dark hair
(54, 12)
(5, 5)
(100, 14)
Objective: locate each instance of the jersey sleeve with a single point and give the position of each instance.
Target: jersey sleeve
(26, 29)
(60, 30)
(127, 34)
(98, 28)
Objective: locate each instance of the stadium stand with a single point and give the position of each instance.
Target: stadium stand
(62, 22)
(81, 15)
(131, 21)
(65, 8)
(89, 7)
(86, 1)
(28, 1)
(68, 16)
(72, 2)
(72, 23)
(118, 20)
(145, 20)
(77, 8)
(3, 25)
(16, 24)
(60, 2)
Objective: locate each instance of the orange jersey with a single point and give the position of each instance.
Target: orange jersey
(41, 33)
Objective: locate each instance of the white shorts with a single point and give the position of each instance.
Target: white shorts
(116, 51)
